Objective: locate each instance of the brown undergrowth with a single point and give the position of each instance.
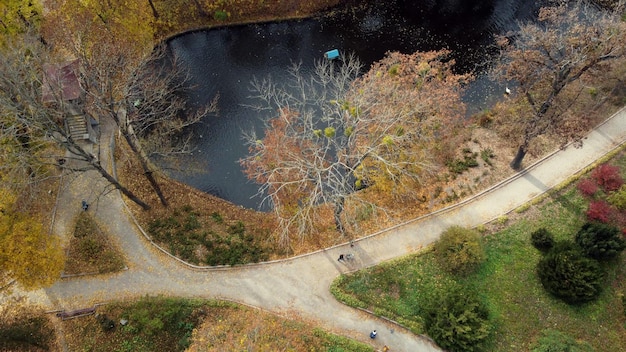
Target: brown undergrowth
(444, 189)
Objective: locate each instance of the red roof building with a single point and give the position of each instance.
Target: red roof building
(60, 82)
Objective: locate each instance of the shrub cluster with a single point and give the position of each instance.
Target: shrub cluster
(188, 238)
(459, 250)
(608, 177)
(604, 205)
(570, 270)
(458, 166)
(169, 320)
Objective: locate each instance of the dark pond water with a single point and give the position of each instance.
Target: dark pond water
(224, 61)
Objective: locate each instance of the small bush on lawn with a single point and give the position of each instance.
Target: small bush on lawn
(459, 250)
(587, 187)
(618, 198)
(608, 177)
(457, 320)
(600, 241)
(599, 210)
(542, 239)
(556, 341)
(567, 274)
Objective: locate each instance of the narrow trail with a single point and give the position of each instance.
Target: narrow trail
(300, 286)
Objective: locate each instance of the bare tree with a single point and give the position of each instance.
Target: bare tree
(334, 135)
(126, 80)
(41, 124)
(546, 59)
(144, 97)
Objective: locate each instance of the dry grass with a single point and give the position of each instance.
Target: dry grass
(24, 327)
(90, 251)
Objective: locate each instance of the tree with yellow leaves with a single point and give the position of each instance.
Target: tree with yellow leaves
(17, 16)
(28, 254)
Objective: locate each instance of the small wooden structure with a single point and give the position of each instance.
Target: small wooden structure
(61, 84)
(64, 315)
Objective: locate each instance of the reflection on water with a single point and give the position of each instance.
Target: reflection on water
(224, 61)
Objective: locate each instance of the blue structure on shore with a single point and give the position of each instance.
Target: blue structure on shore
(332, 54)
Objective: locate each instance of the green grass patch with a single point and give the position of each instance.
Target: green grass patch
(520, 309)
(207, 240)
(90, 251)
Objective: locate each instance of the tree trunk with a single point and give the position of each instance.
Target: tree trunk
(200, 9)
(117, 185)
(338, 210)
(155, 13)
(146, 168)
(120, 119)
(516, 163)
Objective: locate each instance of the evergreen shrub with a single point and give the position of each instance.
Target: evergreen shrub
(567, 274)
(600, 241)
(542, 239)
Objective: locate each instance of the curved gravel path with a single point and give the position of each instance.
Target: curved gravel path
(300, 285)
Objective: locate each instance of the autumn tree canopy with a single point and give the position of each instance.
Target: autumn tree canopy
(18, 16)
(28, 254)
(336, 132)
(549, 59)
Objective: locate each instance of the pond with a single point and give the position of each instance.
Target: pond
(225, 60)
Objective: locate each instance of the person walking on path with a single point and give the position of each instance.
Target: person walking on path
(373, 334)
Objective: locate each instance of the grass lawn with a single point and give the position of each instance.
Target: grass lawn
(519, 306)
(176, 324)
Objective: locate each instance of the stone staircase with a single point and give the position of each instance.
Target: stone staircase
(77, 126)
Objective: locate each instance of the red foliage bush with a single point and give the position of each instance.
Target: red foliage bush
(587, 187)
(599, 210)
(608, 177)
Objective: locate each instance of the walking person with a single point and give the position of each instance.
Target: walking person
(373, 334)
(341, 258)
